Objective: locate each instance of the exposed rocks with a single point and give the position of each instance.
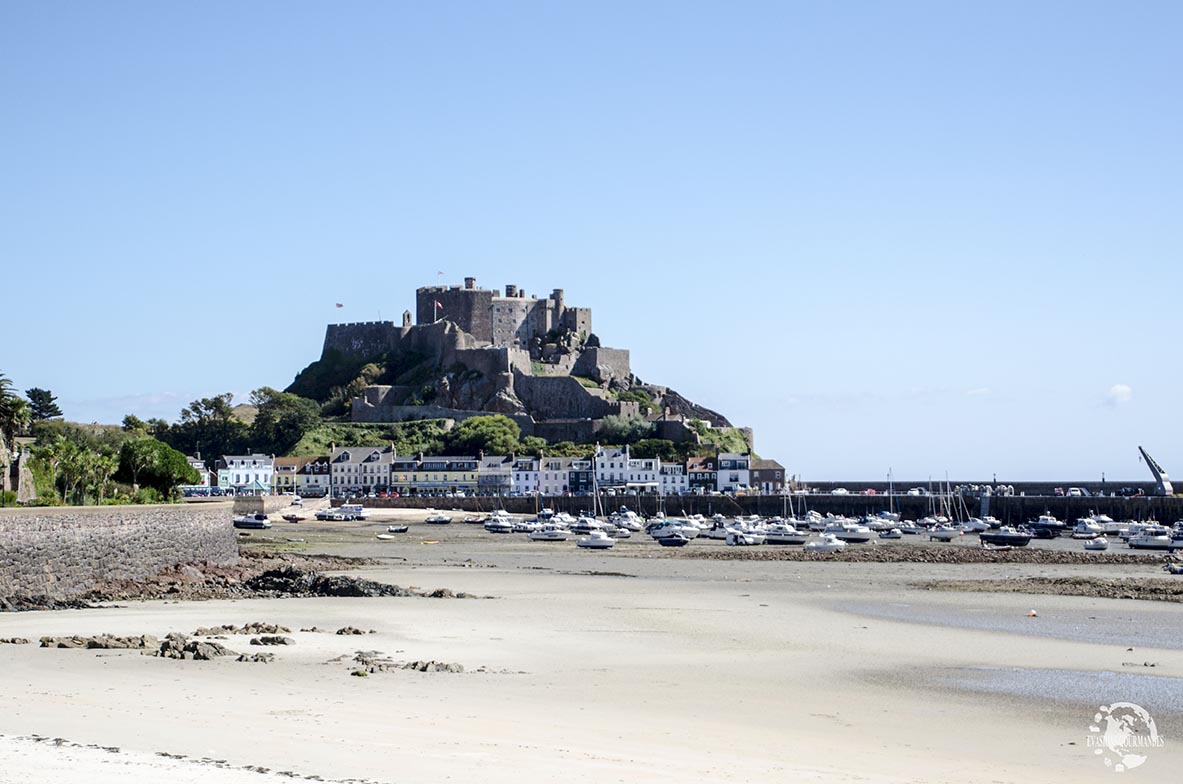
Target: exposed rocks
(314, 629)
(178, 646)
(372, 661)
(261, 658)
(13, 641)
(251, 628)
(258, 575)
(1154, 589)
(353, 630)
(272, 639)
(911, 553)
(102, 642)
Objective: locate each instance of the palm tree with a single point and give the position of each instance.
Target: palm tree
(15, 414)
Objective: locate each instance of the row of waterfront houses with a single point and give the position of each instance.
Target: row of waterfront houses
(362, 470)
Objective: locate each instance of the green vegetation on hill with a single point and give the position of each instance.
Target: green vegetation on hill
(426, 435)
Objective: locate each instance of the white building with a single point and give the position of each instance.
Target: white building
(554, 475)
(734, 472)
(246, 474)
(612, 469)
(204, 474)
(525, 476)
(674, 480)
(360, 469)
(312, 480)
(644, 474)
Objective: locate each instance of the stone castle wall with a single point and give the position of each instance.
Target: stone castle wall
(602, 364)
(65, 551)
(562, 397)
(362, 339)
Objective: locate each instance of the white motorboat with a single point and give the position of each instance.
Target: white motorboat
(674, 540)
(828, 543)
(894, 533)
(438, 519)
(1097, 543)
(673, 527)
(549, 532)
(597, 540)
(912, 528)
(526, 526)
(784, 533)
(744, 538)
(992, 522)
(850, 533)
(1087, 528)
(975, 525)
(397, 529)
(1151, 537)
(585, 525)
(944, 533)
(498, 525)
(475, 519)
(255, 521)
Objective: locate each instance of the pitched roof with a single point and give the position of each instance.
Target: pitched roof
(766, 465)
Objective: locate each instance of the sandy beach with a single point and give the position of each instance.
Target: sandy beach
(596, 667)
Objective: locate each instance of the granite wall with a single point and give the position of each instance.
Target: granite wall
(63, 552)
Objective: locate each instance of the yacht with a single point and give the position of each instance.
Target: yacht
(851, 533)
(674, 540)
(1006, 535)
(828, 543)
(1151, 537)
(784, 533)
(252, 521)
(975, 525)
(585, 525)
(894, 533)
(597, 540)
(549, 532)
(498, 525)
(912, 527)
(1047, 526)
(744, 538)
(944, 533)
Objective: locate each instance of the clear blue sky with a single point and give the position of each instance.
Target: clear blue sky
(929, 236)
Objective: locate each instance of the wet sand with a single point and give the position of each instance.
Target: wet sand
(619, 666)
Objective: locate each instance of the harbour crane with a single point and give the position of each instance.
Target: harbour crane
(1163, 486)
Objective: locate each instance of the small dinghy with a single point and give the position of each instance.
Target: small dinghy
(1173, 568)
(674, 540)
(1097, 543)
(386, 537)
(397, 529)
(894, 533)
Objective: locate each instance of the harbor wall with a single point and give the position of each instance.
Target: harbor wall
(65, 551)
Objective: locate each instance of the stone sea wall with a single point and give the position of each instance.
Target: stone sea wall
(63, 552)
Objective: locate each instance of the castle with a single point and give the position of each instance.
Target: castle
(535, 360)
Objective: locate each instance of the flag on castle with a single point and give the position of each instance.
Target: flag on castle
(437, 304)
(340, 305)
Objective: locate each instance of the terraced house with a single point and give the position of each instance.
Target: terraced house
(362, 469)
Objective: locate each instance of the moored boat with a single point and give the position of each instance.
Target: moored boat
(1097, 543)
(596, 540)
(1006, 535)
(253, 521)
(828, 543)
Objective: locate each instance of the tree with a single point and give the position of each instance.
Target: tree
(208, 425)
(495, 435)
(156, 464)
(281, 419)
(14, 412)
(133, 424)
(618, 429)
(138, 455)
(50, 453)
(43, 404)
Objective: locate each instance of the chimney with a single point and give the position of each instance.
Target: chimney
(470, 283)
